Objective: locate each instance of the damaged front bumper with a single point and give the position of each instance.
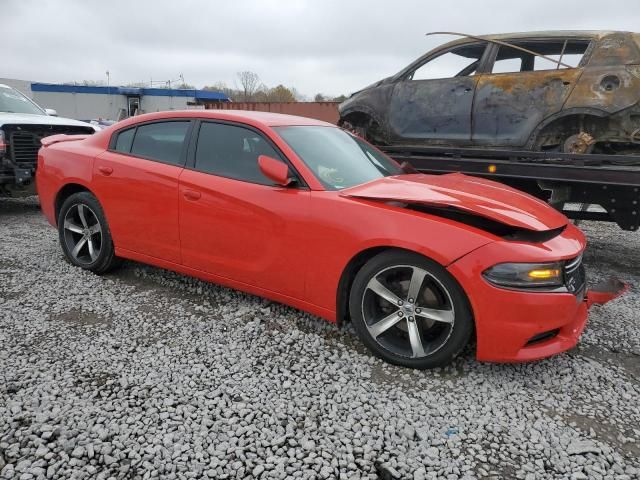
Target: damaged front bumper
(519, 325)
(564, 337)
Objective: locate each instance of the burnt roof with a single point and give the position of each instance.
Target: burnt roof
(545, 34)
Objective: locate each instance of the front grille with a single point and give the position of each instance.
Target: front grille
(574, 275)
(24, 148)
(24, 140)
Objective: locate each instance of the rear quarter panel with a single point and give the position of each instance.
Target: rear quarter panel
(617, 55)
(590, 93)
(59, 165)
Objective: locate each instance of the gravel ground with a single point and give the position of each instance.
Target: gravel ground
(145, 373)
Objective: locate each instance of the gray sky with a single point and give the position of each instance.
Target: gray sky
(328, 46)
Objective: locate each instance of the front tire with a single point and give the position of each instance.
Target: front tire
(410, 311)
(84, 234)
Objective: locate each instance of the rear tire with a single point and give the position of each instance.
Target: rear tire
(409, 311)
(84, 234)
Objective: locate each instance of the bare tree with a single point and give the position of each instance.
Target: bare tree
(249, 82)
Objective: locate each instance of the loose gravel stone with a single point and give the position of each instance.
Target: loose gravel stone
(143, 373)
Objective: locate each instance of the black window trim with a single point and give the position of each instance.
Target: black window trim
(433, 54)
(495, 48)
(300, 182)
(183, 153)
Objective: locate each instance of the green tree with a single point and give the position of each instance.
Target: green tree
(281, 94)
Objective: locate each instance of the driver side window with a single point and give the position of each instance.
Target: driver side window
(459, 62)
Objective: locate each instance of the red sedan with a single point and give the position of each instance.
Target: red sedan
(307, 214)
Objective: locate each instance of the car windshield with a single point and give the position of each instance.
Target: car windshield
(12, 101)
(337, 158)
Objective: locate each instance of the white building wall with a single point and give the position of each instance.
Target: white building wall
(89, 106)
(82, 106)
(159, 104)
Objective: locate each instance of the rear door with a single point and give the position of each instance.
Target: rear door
(234, 222)
(432, 102)
(522, 89)
(136, 181)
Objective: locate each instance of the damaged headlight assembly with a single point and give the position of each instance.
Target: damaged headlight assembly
(544, 276)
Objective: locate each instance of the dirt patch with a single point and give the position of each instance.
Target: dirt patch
(629, 361)
(79, 318)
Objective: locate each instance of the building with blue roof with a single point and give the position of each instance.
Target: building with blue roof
(85, 102)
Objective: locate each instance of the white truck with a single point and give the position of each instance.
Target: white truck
(23, 124)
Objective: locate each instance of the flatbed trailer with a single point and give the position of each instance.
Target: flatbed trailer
(563, 179)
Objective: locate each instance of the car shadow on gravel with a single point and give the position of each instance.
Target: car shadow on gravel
(12, 206)
(148, 278)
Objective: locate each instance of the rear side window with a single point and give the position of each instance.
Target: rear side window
(231, 151)
(567, 51)
(161, 141)
(124, 141)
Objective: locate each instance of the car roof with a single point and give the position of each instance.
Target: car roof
(267, 119)
(544, 34)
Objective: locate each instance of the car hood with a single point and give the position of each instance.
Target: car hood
(469, 194)
(30, 119)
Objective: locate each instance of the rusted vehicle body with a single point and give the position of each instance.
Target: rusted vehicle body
(566, 91)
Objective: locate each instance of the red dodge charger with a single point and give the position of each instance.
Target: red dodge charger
(307, 214)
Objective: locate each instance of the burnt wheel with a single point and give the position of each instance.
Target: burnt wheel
(84, 234)
(409, 310)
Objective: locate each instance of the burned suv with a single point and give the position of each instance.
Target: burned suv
(574, 91)
(22, 125)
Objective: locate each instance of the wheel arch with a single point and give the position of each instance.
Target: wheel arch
(563, 116)
(357, 262)
(371, 124)
(65, 192)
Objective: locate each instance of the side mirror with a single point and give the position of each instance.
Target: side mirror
(275, 170)
(408, 168)
(51, 112)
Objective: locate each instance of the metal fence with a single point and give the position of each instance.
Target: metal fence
(326, 111)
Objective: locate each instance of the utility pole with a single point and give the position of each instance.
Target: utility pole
(110, 100)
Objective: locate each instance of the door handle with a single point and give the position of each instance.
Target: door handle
(105, 170)
(191, 195)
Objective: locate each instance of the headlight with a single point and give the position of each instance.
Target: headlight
(526, 275)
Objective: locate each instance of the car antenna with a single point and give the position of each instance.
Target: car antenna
(500, 42)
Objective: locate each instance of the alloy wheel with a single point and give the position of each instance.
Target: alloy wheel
(82, 234)
(408, 311)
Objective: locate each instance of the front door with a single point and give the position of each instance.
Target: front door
(432, 103)
(136, 181)
(234, 222)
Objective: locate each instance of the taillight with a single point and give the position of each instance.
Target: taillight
(3, 145)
